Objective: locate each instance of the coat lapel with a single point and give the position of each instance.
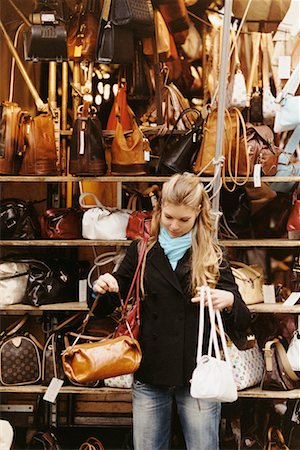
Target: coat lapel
(160, 262)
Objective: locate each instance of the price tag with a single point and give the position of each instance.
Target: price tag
(284, 67)
(257, 175)
(269, 293)
(292, 299)
(82, 290)
(53, 390)
(146, 155)
(77, 51)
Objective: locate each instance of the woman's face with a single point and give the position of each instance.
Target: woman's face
(178, 219)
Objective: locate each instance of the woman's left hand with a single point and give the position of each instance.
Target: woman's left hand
(220, 299)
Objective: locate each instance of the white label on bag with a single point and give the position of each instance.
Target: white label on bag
(146, 155)
(292, 299)
(53, 390)
(81, 142)
(284, 67)
(82, 287)
(269, 293)
(257, 175)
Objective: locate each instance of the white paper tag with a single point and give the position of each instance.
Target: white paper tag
(146, 155)
(269, 293)
(284, 67)
(82, 290)
(292, 299)
(53, 390)
(257, 175)
(81, 142)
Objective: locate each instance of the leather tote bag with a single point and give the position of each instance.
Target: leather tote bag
(13, 282)
(18, 219)
(20, 356)
(100, 222)
(61, 223)
(135, 14)
(250, 280)
(212, 379)
(179, 155)
(87, 151)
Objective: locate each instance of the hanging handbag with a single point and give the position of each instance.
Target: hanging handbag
(10, 161)
(13, 282)
(121, 109)
(18, 219)
(236, 90)
(135, 14)
(176, 17)
(247, 365)
(288, 115)
(179, 154)
(87, 152)
(43, 440)
(82, 32)
(111, 357)
(127, 150)
(250, 280)
(269, 105)
(100, 222)
(278, 375)
(293, 352)
(212, 379)
(20, 356)
(61, 223)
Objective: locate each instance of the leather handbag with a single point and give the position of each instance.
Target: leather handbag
(293, 223)
(176, 17)
(87, 151)
(18, 219)
(61, 223)
(43, 440)
(82, 33)
(288, 115)
(127, 150)
(94, 361)
(179, 154)
(13, 282)
(250, 280)
(293, 352)
(20, 356)
(261, 150)
(212, 379)
(100, 222)
(122, 109)
(278, 375)
(10, 161)
(37, 145)
(139, 225)
(136, 14)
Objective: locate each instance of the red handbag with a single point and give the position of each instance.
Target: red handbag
(139, 225)
(129, 323)
(61, 223)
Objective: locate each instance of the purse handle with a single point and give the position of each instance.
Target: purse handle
(255, 41)
(245, 266)
(283, 357)
(14, 327)
(102, 260)
(181, 115)
(94, 197)
(291, 85)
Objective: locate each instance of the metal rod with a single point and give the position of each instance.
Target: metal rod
(41, 106)
(24, 18)
(52, 85)
(222, 98)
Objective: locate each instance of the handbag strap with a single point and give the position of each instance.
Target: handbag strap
(255, 41)
(291, 146)
(13, 65)
(265, 57)
(291, 85)
(94, 197)
(245, 266)
(282, 355)
(14, 327)
(181, 115)
(99, 261)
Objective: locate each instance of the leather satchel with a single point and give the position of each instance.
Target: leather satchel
(87, 153)
(61, 223)
(279, 375)
(136, 14)
(250, 280)
(20, 356)
(10, 161)
(18, 219)
(37, 145)
(179, 155)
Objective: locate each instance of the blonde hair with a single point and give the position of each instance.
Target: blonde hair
(186, 189)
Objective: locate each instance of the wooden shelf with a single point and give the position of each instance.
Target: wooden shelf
(260, 243)
(36, 310)
(110, 394)
(274, 308)
(124, 179)
(63, 243)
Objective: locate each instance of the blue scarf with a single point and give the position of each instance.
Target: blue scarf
(174, 248)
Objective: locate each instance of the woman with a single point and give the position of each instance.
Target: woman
(182, 255)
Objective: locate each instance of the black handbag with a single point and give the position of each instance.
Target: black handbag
(114, 44)
(87, 152)
(18, 219)
(179, 155)
(136, 14)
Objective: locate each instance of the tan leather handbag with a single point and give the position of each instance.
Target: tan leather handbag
(250, 280)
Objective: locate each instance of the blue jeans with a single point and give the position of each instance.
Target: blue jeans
(152, 414)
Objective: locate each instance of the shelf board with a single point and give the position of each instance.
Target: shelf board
(20, 308)
(125, 394)
(64, 243)
(124, 179)
(259, 242)
(274, 308)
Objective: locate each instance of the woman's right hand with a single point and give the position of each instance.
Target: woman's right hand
(106, 283)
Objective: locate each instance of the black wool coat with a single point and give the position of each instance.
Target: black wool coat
(169, 320)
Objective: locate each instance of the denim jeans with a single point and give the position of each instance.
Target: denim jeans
(152, 414)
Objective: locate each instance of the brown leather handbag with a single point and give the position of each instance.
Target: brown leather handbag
(176, 17)
(87, 153)
(10, 161)
(37, 145)
(82, 33)
(61, 223)
(127, 150)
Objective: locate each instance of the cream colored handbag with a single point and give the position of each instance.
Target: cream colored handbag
(250, 280)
